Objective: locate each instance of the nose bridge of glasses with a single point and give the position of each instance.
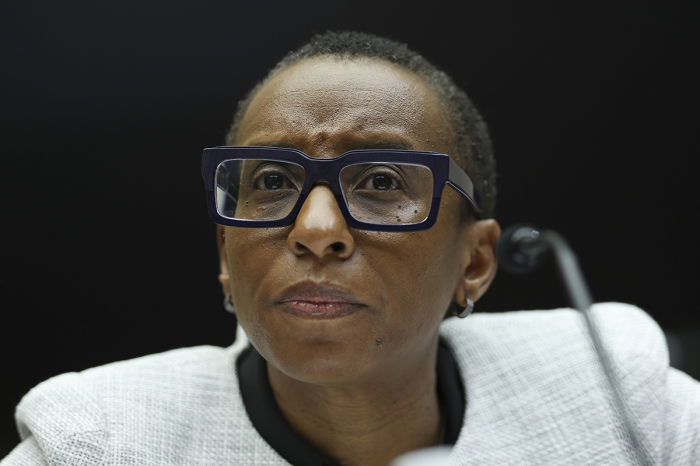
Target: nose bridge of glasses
(322, 180)
(324, 171)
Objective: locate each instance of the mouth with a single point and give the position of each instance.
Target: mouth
(317, 301)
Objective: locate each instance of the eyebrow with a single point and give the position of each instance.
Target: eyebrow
(360, 145)
(285, 145)
(401, 145)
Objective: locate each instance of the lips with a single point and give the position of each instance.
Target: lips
(319, 301)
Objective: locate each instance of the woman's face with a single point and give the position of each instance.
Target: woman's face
(325, 303)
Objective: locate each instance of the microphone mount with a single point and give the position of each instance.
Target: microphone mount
(522, 249)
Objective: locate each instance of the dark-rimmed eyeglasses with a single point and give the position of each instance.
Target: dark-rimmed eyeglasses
(376, 189)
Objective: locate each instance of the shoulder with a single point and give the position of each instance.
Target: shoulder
(626, 331)
(75, 405)
(605, 313)
(527, 371)
(131, 406)
(179, 368)
(556, 341)
(147, 375)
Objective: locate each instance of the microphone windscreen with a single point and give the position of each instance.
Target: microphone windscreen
(517, 250)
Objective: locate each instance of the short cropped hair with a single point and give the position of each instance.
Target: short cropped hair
(474, 152)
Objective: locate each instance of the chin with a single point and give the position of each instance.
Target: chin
(326, 363)
(336, 351)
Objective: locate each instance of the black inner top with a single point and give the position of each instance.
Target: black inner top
(273, 427)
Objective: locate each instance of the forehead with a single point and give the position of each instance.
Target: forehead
(337, 104)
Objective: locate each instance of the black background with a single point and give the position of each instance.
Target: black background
(107, 105)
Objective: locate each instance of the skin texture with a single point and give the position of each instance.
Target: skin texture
(358, 401)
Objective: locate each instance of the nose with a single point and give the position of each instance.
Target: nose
(320, 228)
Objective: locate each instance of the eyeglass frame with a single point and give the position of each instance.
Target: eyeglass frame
(444, 169)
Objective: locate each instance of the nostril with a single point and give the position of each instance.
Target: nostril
(337, 246)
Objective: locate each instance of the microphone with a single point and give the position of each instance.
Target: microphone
(521, 249)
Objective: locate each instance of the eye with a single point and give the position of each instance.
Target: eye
(379, 178)
(273, 178)
(273, 181)
(382, 182)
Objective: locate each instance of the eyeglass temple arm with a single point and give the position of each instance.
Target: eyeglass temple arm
(461, 182)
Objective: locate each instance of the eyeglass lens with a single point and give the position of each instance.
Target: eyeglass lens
(377, 192)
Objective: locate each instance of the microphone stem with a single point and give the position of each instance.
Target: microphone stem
(577, 290)
(569, 270)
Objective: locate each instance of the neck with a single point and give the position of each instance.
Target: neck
(367, 423)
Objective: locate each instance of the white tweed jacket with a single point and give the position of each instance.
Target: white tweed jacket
(535, 395)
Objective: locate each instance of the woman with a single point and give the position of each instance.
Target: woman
(342, 252)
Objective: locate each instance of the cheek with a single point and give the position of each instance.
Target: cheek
(254, 257)
(420, 276)
(252, 254)
(421, 269)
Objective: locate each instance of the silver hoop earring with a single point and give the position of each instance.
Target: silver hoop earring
(228, 304)
(467, 309)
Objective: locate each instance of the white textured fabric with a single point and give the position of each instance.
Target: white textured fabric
(535, 395)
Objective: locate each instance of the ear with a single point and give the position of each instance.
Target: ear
(480, 265)
(223, 259)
